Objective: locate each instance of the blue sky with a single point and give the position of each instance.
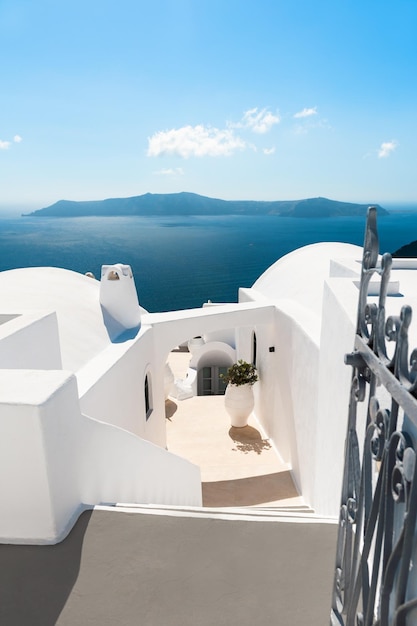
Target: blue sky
(266, 100)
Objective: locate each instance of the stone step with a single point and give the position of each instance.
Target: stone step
(300, 514)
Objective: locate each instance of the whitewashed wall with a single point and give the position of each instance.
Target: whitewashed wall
(112, 388)
(38, 483)
(285, 397)
(225, 335)
(337, 339)
(287, 394)
(30, 340)
(176, 327)
(54, 462)
(303, 393)
(303, 384)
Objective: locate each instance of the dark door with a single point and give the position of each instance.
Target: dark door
(209, 381)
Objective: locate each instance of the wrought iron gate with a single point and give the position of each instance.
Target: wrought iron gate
(375, 579)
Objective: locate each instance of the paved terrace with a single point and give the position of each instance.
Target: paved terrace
(136, 569)
(239, 466)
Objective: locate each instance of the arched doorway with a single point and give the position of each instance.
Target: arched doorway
(209, 362)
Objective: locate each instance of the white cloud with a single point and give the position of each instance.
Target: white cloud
(173, 171)
(386, 148)
(259, 121)
(306, 112)
(5, 145)
(204, 140)
(197, 141)
(269, 150)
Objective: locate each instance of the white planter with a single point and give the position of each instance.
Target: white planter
(239, 403)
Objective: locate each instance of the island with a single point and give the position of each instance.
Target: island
(184, 203)
(408, 251)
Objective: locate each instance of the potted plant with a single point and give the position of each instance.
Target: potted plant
(239, 402)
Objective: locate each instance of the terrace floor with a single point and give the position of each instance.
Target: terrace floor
(239, 466)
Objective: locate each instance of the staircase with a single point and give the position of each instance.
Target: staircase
(290, 514)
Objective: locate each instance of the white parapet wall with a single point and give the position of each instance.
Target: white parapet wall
(111, 387)
(38, 485)
(287, 391)
(337, 339)
(55, 462)
(30, 340)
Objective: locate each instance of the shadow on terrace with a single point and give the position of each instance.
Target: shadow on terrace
(239, 466)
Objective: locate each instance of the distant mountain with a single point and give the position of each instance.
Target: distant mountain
(193, 204)
(409, 251)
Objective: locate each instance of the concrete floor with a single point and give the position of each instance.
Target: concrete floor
(239, 466)
(121, 569)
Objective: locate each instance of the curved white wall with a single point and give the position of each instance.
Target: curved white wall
(213, 353)
(111, 388)
(300, 275)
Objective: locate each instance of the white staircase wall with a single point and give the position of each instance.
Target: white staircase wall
(55, 462)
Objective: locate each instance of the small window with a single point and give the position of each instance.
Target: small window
(148, 397)
(254, 349)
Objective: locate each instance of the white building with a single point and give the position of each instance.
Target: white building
(83, 384)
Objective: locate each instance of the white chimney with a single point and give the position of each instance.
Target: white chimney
(118, 294)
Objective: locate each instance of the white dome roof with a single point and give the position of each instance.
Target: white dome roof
(300, 275)
(76, 300)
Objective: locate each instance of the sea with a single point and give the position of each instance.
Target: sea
(181, 262)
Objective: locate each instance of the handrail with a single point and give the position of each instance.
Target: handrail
(374, 574)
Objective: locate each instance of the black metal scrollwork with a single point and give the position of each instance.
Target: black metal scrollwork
(378, 512)
(379, 426)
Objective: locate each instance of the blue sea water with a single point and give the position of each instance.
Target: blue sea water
(183, 262)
